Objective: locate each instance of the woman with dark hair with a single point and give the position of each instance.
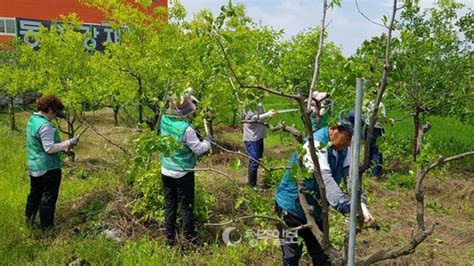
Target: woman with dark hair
(44, 163)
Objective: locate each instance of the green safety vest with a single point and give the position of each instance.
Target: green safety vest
(38, 159)
(182, 158)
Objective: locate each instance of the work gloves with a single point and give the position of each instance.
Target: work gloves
(73, 141)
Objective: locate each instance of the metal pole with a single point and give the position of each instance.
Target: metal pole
(355, 170)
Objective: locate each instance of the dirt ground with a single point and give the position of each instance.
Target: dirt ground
(448, 196)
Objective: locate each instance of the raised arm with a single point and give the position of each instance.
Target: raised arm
(334, 195)
(46, 134)
(192, 141)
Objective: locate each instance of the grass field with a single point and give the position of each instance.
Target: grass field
(92, 186)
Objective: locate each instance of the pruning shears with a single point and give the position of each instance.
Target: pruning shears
(70, 150)
(286, 111)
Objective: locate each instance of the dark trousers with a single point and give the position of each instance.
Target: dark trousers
(179, 190)
(376, 157)
(43, 195)
(291, 250)
(255, 151)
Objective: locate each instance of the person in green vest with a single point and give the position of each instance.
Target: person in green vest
(176, 169)
(44, 160)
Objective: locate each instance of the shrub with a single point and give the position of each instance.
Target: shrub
(145, 177)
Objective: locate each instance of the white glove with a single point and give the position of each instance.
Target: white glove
(367, 217)
(73, 141)
(319, 96)
(391, 121)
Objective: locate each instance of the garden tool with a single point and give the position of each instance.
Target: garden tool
(206, 128)
(287, 111)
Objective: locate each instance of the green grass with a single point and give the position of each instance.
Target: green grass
(448, 136)
(80, 239)
(18, 244)
(21, 246)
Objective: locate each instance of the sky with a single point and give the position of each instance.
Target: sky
(347, 28)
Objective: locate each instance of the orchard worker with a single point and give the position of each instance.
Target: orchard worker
(334, 163)
(376, 157)
(178, 179)
(45, 161)
(254, 133)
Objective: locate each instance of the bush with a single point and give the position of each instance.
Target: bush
(145, 177)
(400, 181)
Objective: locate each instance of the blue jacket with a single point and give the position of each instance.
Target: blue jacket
(287, 193)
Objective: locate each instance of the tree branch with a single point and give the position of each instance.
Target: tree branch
(421, 232)
(281, 126)
(421, 133)
(420, 205)
(240, 154)
(232, 70)
(383, 85)
(317, 59)
(215, 171)
(367, 18)
(290, 129)
(373, 118)
(247, 218)
(105, 138)
(395, 253)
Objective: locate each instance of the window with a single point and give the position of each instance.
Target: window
(7, 26)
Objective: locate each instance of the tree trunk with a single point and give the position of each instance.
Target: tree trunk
(152, 122)
(116, 114)
(209, 118)
(234, 118)
(140, 101)
(70, 132)
(416, 130)
(12, 115)
(25, 101)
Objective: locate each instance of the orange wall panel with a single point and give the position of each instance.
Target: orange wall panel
(52, 9)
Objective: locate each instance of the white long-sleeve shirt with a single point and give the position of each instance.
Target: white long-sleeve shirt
(382, 114)
(198, 147)
(254, 131)
(336, 198)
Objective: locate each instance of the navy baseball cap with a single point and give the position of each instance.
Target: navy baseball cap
(348, 122)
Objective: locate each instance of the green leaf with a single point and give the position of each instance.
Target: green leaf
(235, 165)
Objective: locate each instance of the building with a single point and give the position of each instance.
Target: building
(32, 12)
